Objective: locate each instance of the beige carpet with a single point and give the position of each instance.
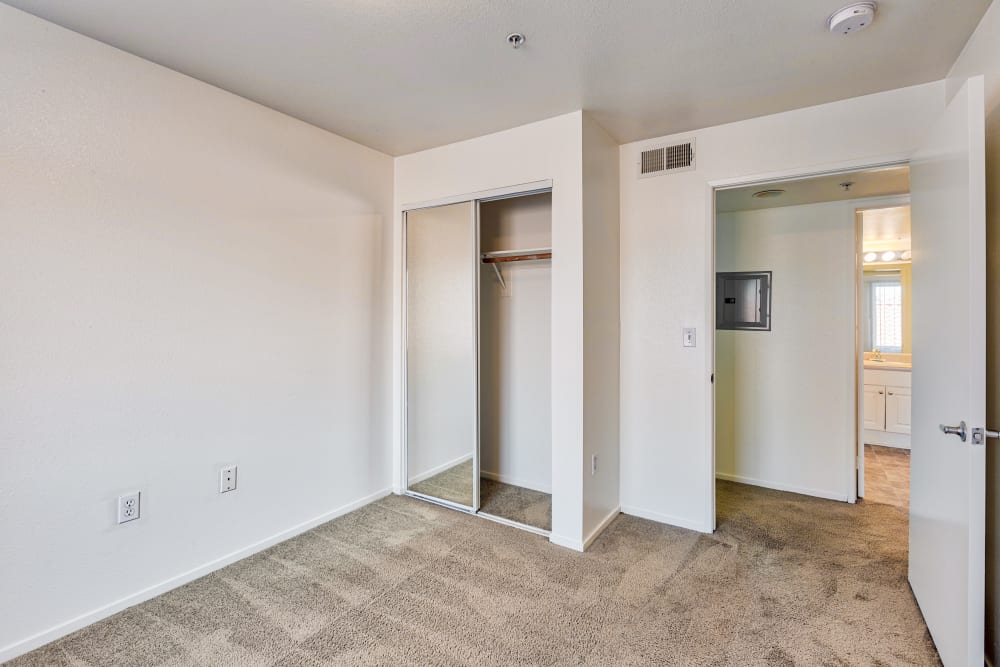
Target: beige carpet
(516, 503)
(786, 580)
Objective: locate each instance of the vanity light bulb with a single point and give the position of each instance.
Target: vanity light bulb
(906, 255)
(888, 255)
(871, 256)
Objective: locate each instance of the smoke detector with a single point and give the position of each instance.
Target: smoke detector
(853, 18)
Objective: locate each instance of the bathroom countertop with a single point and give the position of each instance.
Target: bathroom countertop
(888, 366)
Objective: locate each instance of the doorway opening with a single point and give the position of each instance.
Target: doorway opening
(885, 302)
(796, 309)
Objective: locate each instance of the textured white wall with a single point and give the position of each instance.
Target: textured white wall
(515, 346)
(667, 277)
(785, 398)
(188, 281)
(601, 328)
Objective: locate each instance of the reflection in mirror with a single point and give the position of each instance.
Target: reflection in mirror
(441, 363)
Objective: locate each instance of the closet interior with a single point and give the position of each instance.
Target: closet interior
(478, 357)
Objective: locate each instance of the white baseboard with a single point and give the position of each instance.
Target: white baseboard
(516, 481)
(780, 486)
(605, 522)
(22, 646)
(427, 474)
(569, 543)
(659, 517)
(582, 545)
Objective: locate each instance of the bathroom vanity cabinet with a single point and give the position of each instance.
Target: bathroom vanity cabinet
(886, 407)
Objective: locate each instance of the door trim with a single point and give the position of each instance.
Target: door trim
(508, 192)
(859, 445)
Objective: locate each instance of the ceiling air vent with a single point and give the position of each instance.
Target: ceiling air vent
(656, 161)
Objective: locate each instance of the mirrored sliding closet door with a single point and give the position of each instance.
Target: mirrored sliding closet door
(441, 313)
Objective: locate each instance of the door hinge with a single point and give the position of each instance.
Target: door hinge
(979, 435)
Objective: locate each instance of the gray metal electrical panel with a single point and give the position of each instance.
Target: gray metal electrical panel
(743, 300)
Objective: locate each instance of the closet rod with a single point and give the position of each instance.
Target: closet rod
(516, 255)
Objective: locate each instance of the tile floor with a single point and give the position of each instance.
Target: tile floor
(887, 475)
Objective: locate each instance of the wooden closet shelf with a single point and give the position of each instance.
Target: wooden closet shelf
(516, 255)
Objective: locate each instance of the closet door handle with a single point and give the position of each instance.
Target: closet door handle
(890, 393)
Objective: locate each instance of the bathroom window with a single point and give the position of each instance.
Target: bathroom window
(884, 310)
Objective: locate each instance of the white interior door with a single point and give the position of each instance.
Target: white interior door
(947, 475)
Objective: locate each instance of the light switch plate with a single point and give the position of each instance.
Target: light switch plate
(690, 337)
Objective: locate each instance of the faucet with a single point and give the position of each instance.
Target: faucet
(876, 355)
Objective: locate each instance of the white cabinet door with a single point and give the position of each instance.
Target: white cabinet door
(897, 409)
(874, 407)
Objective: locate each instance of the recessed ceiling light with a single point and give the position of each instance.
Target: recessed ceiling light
(767, 194)
(515, 39)
(888, 255)
(853, 18)
(871, 256)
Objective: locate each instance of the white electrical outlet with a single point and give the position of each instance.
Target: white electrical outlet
(128, 507)
(593, 464)
(227, 479)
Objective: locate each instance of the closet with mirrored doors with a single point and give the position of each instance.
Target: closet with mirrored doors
(477, 322)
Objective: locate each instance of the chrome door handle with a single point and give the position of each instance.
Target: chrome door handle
(954, 430)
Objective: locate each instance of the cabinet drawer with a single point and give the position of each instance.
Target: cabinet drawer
(888, 378)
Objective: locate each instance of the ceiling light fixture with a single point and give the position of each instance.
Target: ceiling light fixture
(871, 256)
(767, 194)
(853, 18)
(515, 39)
(888, 255)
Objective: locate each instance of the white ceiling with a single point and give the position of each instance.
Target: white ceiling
(403, 75)
(886, 228)
(871, 183)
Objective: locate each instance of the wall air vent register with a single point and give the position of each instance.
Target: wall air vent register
(666, 159)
